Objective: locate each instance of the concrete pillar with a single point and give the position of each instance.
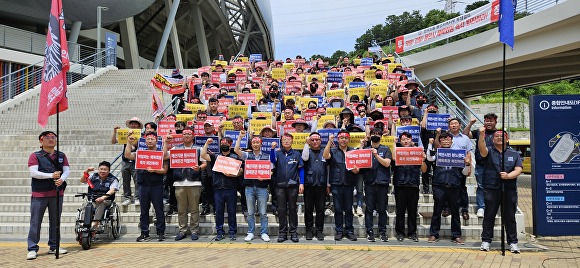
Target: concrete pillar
(73, 38)
(200, 34)
(129, 43)
(166, 32)
(174, 39)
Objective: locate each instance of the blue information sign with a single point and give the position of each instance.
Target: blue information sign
(356, 84)
(255, 57)
(414, 130)
(435, 121)
(267, 144)
(325, 134)
(555, 139)
(366, 61)
(214, 147)
(234, 135)
(447, 157)
(334, 77)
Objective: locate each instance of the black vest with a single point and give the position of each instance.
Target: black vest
(447, 177)
(45, 165)
(101, 187)
(378, 174)
(145, 177)
(181, 174)
(407, 176)
(221, 181)
(315, 169)
(337, 168)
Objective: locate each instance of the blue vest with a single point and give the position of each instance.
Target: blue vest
(337, 167)
(287, 167)
(102, 187)
(315, 169)
(491, 168)
(252, 182)
(221, 181)
(378, 174)
(46, 166)
(407, 176)
(447, 177)
(145, 177)
(181, 174)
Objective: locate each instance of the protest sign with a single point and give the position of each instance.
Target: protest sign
(435, 121)
(408, 156)
(145, 159)
(258, 169)
(227, 165)
(447, 157)
(183, 158)
(359, 158)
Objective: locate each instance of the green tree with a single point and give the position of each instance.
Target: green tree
(475, 5)
(336, 55)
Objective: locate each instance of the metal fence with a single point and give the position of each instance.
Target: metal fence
(86, 60)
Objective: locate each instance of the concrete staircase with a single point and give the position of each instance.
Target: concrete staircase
(97, 104)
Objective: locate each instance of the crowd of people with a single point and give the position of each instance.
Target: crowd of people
(340, 135)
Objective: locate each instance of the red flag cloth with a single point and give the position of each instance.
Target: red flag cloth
(56, 64)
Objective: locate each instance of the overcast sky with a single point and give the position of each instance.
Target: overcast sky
(308, 27)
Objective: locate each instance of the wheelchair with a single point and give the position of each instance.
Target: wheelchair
(110, 223)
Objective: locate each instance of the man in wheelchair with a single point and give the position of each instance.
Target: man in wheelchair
(102, 188)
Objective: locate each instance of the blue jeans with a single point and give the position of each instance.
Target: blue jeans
(223, 197)
(342, 199)
(359, 189)
(479, 196)
(38, 206)
(254, 193)
(151, 195)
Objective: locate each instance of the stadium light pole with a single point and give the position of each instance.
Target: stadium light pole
(99, 9)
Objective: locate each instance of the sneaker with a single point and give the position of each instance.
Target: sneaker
(432, 239)
(294, 238)
(465, 215)
(370, 237)
(480, 213)
(60, 251)
(194, 236)
(384, 238)
(458, 241)
(179, 236)
(375, 213)
(137, 202)
(249, 237)
(265, 237)
(161, 238)
(309, 235)
(359, 211)
(282, 238)
(126, 202)
(400, 238)
(31, 255)
(485, 246)
(514, 248)
(219, 237)
(351, 236)
(320, 236)
(414, 238)
(143, 237)
(232, 237)
(338, 236)
(204, 212)
(328, 212)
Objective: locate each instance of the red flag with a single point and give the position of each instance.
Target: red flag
(56, 64)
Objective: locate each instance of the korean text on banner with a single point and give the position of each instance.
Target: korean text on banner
(447, 157)
(183, 158)
(145, 159)
(56, 64)
(359, 158)
(257, 169)
(123, 134)
(227, 165)
(435, 121)
(408, 156)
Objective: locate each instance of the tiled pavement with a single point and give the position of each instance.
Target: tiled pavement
(536, 252)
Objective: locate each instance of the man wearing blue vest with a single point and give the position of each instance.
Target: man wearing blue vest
(377, 180)
(225, 189)
(255, 190)
(499, 187)
(103, 185)
(187, 183)
(48, 173)
(289, 180)
(342, 183)
(316, 186)
(150, 183)
(446, 189)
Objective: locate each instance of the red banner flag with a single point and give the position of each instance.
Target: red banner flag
(56, 64)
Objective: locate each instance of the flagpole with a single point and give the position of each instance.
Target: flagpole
(59, 168)
(502, 161)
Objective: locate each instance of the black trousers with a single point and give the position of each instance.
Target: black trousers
(406, 199)
(427, 175)
(207, 195)
(314, 200)
(376, 199)
(442, 195)
(492, 199)
(287, 209)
